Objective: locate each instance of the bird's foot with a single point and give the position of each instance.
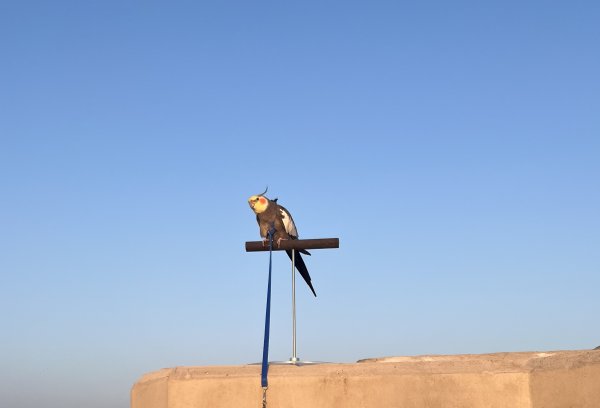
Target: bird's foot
(265, 242)
(279, 241)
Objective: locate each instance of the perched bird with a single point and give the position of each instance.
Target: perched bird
(269, 215)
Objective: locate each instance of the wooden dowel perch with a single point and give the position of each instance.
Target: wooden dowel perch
(322, 243)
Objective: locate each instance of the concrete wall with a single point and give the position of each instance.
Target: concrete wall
(515, 380)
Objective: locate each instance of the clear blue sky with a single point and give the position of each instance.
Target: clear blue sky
(454, 147)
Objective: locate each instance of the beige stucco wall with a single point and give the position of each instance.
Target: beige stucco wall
(152, 390)
(561, 381)
(515, 380)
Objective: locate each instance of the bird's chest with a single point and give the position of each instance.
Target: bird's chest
(269, 219)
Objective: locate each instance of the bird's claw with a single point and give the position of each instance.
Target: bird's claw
(279, 241)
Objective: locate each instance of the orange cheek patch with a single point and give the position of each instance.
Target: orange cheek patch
(262, 200)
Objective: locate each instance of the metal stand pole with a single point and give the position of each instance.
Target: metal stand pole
(294, 358)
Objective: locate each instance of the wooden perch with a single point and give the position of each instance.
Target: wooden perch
(322, 243)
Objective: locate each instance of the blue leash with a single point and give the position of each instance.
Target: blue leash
(265, 359)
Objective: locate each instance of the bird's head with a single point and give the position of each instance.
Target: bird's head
(259, 202)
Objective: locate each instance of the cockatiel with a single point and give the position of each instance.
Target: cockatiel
(270, 214)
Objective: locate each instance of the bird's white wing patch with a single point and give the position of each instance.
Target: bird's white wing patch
(288, 223)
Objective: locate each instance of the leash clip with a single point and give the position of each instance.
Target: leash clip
(264, 397)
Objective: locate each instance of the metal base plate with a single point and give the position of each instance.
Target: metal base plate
(296, 362)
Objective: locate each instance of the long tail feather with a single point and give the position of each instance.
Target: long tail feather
(302, 269)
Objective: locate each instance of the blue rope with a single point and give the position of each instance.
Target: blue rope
(265, 359)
